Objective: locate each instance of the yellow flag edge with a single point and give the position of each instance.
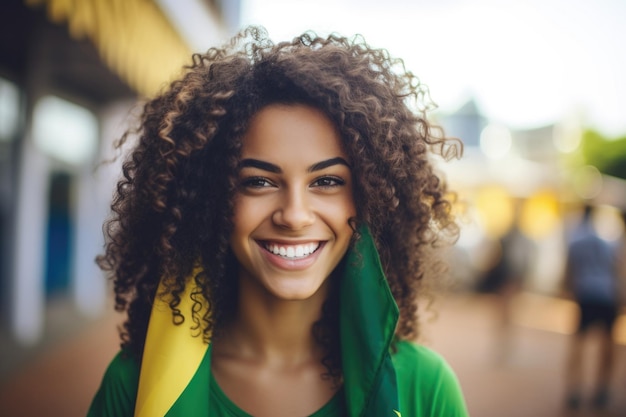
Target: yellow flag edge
(172, 354)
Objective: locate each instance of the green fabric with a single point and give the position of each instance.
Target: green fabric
(368, 316)
(428, 386)
(118, 390)
(413, 380)
(194, 400)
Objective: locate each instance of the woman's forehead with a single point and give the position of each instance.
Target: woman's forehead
(295, 131)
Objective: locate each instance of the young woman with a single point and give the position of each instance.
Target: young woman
(270, 239)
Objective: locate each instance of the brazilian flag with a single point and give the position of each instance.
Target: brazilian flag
(176, 363)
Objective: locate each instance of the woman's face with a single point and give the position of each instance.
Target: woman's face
(293, 203)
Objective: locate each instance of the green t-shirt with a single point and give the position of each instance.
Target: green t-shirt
(427, 387)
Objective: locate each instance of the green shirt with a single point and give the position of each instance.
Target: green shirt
(427, 387)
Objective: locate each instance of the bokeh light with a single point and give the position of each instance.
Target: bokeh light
(495, 210)
(540, 215)
(65, 130)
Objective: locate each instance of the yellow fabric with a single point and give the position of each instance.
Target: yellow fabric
(134, 38)
(163, 342)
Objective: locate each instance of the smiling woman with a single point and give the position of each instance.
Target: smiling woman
(270, 238)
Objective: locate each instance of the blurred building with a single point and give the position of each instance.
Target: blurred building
(528, 180)
(70, 75)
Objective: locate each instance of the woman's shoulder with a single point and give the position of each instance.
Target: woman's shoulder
(118, 389)
(414, 356)
(427, 384)
(124, 365)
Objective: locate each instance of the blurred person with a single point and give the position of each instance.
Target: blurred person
(271, 236)
(505, 279)
(621, 261)
(591, 279)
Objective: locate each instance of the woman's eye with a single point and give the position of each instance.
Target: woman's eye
(327, 182)
(255, 182)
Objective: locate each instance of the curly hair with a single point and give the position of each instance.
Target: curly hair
(174, 203)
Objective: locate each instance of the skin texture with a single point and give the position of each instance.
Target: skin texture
(295, 188)
(175, 207)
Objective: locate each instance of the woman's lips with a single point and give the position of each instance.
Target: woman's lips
(291, 256)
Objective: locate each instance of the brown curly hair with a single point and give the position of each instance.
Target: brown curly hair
(174, 204)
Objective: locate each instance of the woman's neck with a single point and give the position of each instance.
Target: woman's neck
(270, 330)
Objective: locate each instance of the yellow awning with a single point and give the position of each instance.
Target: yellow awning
(134, 38)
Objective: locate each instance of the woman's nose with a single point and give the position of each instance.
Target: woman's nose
(294, 211)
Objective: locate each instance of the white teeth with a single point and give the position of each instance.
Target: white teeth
(292, 252)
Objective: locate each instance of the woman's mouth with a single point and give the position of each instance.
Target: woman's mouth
(292, 252)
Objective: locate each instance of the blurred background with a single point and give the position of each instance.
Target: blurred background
(534, 89)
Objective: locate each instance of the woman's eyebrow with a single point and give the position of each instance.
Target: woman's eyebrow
(327, 163)
(255, 163)
(268, 166)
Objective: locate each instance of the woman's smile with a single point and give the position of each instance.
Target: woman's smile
(292, 256)
(293, 251)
